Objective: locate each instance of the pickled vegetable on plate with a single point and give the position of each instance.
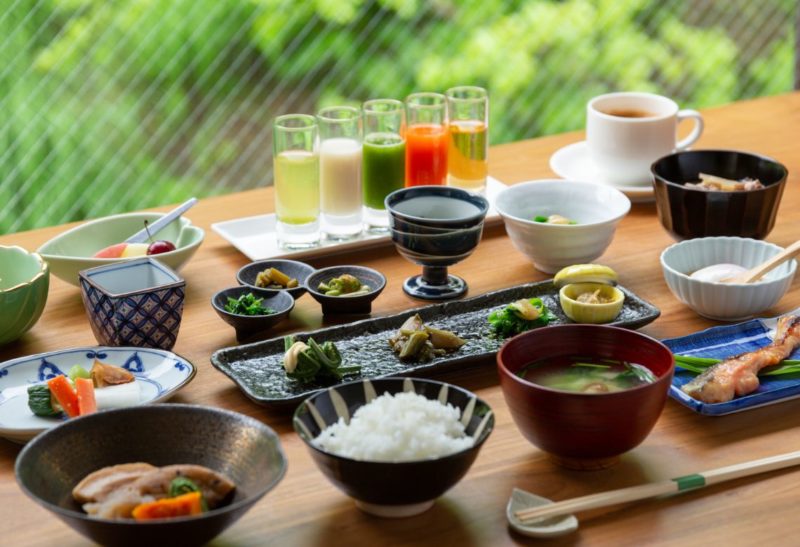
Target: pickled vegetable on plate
(273, 278)
(344, 285)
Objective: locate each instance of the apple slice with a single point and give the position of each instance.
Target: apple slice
(122, 250)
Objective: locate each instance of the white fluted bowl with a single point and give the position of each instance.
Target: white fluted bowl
(596, 208)
(725, 301)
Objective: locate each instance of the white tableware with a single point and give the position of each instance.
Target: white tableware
(626, 132)
(544, 528)
(725, 301)
(596, 209)
(572, 162)
(256, 238)
(160, 375)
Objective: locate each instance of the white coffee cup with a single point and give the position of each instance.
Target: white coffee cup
(626, 132)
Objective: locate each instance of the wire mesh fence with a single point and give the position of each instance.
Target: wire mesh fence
(110, 106)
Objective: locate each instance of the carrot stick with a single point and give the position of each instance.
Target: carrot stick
(179, 506)
(65, 395)
(86, 401)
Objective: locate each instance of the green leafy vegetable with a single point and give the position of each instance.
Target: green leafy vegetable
(700, 364)
(510, 320)
(247, 304)
(308, 362)
(181, 485)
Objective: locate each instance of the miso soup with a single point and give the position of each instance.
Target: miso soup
(586, 375)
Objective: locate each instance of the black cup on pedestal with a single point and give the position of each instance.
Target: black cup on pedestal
(435, 227)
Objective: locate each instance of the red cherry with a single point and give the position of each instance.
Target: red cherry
(160, 246)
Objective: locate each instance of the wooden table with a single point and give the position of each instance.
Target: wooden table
(306, 510)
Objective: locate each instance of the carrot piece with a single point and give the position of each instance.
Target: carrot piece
(65, 395)
(86, 402)
(179, 506)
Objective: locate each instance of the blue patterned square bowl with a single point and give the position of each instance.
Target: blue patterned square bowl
(135, 303)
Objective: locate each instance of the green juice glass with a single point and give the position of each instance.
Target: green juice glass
(383, 160)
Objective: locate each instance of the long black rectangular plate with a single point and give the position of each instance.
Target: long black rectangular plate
(258, 368)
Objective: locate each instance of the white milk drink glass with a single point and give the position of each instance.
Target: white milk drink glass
(340, 152)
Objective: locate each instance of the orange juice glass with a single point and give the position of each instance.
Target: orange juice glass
(426, 139)
(468, 142)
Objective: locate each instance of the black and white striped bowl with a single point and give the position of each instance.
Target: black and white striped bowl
(392, 489)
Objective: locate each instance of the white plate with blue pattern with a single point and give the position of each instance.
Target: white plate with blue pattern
(160, 375)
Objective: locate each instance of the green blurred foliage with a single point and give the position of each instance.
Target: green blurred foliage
(117, 105)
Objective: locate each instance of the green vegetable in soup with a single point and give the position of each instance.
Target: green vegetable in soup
(40, 401)
(520, 316)
(587, 375)
(553, 219)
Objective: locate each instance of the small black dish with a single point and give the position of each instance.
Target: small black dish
(392, 489)
(294, 269)
(248, 327)
(241, 447)
(355, 305)
(687, 212)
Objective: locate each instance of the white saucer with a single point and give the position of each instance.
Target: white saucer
(572, 162)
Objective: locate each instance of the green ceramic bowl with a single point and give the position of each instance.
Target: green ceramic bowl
(24, 280)
(70, 252)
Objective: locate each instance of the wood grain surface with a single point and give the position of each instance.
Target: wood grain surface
(307, 510)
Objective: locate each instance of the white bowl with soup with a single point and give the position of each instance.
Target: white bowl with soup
(590, 214)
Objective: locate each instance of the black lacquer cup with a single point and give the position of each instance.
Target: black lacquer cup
(435, 227)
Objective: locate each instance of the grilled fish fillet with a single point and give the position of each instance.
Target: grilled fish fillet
(737, 375)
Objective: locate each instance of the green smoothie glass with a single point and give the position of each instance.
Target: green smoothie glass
(383, 160)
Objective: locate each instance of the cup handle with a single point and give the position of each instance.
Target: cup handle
(696, 132)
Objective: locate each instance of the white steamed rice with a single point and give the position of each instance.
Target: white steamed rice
(397, 428)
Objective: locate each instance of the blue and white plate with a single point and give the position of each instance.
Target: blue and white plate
(160, 374)
(727, 341)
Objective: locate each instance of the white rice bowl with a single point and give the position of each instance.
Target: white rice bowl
(397, 428)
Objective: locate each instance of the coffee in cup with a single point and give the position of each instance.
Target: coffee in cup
(626, 132)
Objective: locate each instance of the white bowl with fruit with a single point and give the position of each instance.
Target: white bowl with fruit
(99, 242)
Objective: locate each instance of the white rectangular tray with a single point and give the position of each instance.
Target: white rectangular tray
(256, 238)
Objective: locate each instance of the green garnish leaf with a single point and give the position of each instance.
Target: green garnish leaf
(247, 304)
(506, 322)
(540, 218)
(700, 364)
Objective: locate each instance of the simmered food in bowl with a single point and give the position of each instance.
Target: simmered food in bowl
(687, 211)
(243, 450)
(592, 213)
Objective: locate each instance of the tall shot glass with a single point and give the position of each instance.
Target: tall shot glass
(296, 170)
(340, 171)
(384, 157)
(468, 148)
(426, 139)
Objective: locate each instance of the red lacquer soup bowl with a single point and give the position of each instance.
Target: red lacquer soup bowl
(584, 430)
